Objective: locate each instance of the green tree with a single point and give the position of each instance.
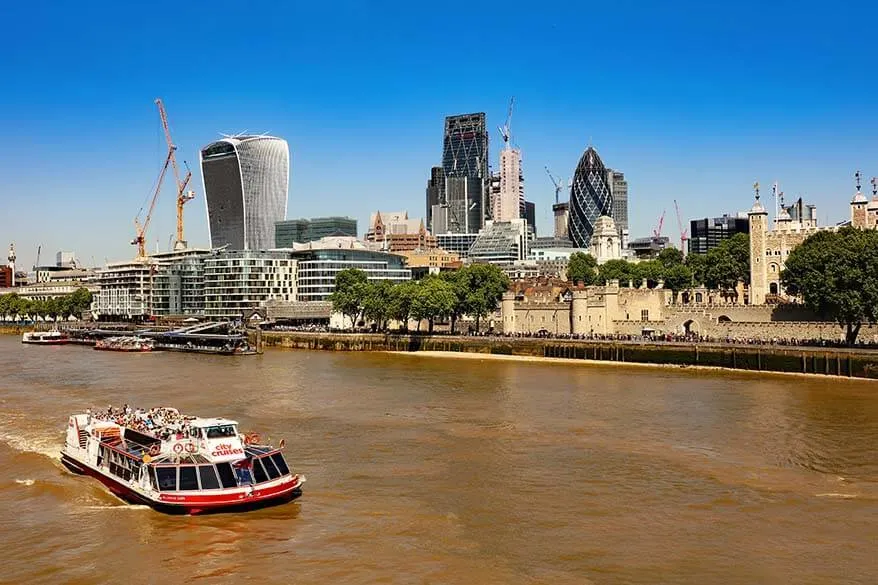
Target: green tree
(677, 278)
(738, 247)
(485, 285)
(79, 301)
(400, 298)
(620, 270)
(721, 270)
(435, 299)
(697, 264)
(651, 270)
(836, 274)
(458, 281)
(376, 302)
(670, 257)
(349, 294)
(582, 268)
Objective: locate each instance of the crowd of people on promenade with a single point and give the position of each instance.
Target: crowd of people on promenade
(161, 422)
(620, 337)
(680, 338)
(307, 327)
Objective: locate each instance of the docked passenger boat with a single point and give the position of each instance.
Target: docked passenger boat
(53, 337)
(127, 343)
(178, 464)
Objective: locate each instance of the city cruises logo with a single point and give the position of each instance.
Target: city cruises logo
(225, 450)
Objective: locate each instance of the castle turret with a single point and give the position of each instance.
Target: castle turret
(858, 206)
(507, 312)
(758, 267)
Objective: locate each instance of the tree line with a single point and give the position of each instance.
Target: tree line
(73, 304)
(474, 290)
(720, 269)
(836, 275)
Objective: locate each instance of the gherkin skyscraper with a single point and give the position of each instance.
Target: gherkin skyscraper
(590, 197)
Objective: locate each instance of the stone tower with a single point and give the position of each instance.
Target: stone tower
(858, 206)
(758, 267)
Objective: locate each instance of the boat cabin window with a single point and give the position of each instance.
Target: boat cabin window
(226, 475)
(259, 472)
(281, 464)
(167, 478)
(270, 468)
(220, 432)
(188, 477)
(208, 477)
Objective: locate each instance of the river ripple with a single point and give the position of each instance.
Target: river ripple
(437, 470)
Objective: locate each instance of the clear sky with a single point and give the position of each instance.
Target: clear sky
(692, 100)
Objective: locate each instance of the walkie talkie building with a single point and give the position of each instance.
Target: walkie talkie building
(246, 179)
(590, 198)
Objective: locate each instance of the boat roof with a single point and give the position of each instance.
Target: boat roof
(211, 422)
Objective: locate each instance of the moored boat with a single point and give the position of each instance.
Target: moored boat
(53, 337)
(130, 343)
(178, 464)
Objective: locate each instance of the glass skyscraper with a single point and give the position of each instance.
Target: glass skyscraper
(590, 197)
(465, 163)
(246, 179)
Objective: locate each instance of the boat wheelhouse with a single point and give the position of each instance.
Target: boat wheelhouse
(178, 464)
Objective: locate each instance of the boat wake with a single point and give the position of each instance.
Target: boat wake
(836, 495)
(27, 482)
(40, 445)
(120, 507)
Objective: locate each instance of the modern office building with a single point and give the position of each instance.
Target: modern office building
(246, 179)
(170, 283)
(465, 164)
(178, 283)
(300, 231)
(508, 200)
(125, 290)
(238, 280)
(460, 244)
(501, 242)
(648, 248)
(435, 193)
(590, 197)
(318, 263)
(708, 233)
(530, 216)
(619, 190)
(290, 231)
(561, 213)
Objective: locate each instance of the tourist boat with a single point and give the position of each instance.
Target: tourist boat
(53, 337)
(137, 344)
(178, 464)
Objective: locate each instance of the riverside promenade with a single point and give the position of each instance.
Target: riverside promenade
(821, 361)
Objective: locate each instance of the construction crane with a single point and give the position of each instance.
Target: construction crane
(140, 239)
(657, 232)
(558, 186)
(506, 129)
(684, 233)
(183, 196)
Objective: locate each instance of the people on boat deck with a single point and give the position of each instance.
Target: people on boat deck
(164, 423)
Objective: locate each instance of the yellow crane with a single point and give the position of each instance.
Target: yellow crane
(183, 196)
(140, 239)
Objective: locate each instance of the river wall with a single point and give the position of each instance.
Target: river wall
(802, 360)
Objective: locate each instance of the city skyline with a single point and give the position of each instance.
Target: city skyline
(83, 148)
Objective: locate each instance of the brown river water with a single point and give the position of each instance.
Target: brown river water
(442, 470)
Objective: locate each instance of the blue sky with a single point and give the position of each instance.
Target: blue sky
(692, 100)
